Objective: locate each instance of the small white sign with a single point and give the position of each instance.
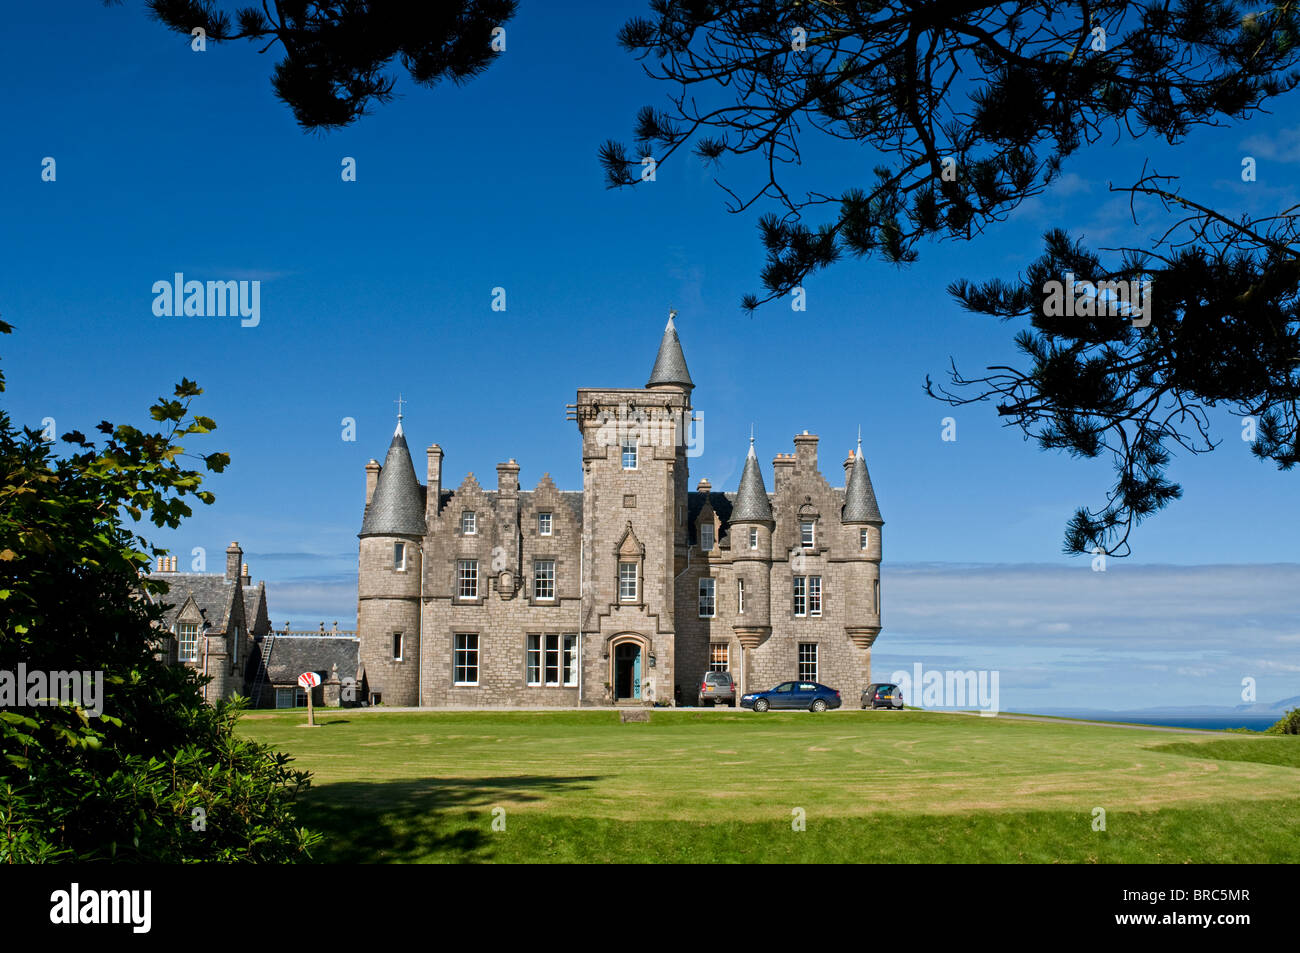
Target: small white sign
(308, 679)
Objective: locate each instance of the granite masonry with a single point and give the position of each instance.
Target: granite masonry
(627, 591)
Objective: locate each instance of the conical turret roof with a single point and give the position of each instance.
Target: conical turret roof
(396, 508)
(859, 497)
(752, 504)
(670, 364)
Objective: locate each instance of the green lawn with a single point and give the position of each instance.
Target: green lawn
(724, 787)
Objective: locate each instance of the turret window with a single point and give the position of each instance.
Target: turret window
(864, 538)
(740, 596)
(468, 523)
(397, 646)
(399, 557)
(753, 539)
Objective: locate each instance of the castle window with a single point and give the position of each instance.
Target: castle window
(740, 596)
(708, 601)
(864, 538)
(706, 537)
(807, 595)
(629, 453)
(466, 670)
(627, 582)
(468, 523)
(543, 524)
(544, 579)
(876, 593)
(399, 556)
(806, 534)
(467, 578)
(533, 660)
(552, 669)
(719, 657)
(397, 646)
(808, 661)
(570, 659)
(753, 538)
(188, 642)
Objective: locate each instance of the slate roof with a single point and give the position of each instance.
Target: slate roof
(670, 364)
(291, 655)
(397, 507)
(859, 496)
(256, 615)
(751, 503)
(212, 594)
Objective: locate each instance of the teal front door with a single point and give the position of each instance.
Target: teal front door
(627, 671)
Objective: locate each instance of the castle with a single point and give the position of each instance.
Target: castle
(627, 591)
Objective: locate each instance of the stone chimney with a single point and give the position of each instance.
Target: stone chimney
(234, 557)
(245, 572)
(434, 484)
(704, 486)
(372, 477)
(782, 464)
(805, 451)
(848, 465)
(508, 479)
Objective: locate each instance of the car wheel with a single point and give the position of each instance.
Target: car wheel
(760, 705)
(819, 705)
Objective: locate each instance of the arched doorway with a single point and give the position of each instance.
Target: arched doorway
(627, 671)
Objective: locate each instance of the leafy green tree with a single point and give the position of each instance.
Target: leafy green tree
(968, 109)
(158, 776)
(1288, 724)
(338, 53)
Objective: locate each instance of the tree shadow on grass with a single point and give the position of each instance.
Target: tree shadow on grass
(424, 820)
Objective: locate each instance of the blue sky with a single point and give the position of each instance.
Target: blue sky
(170, 160)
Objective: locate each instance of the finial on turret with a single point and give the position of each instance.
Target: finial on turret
(399, 402)
(859, 439)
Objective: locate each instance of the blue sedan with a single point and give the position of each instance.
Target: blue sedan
(811, 696)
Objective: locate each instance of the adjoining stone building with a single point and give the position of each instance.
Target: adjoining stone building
(627, 591)
(213, 621)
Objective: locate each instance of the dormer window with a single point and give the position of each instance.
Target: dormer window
(543, 524)
(706, 537)
(468, 523)
(629, 453)
(806, 533)
(399, 557)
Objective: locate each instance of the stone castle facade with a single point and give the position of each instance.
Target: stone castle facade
(627, 591)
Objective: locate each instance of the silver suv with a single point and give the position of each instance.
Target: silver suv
(718, 687)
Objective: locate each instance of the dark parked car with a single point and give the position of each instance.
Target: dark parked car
(882, 695)
(718, 687)
(812, 696)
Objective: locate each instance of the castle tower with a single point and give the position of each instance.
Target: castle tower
(388, 582)
(634, 528)
(751, 553)
(862, 573)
